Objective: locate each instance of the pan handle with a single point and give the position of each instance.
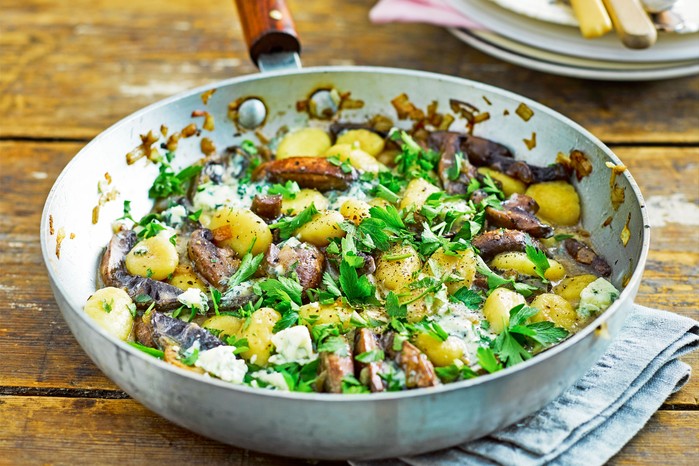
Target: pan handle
(268, 28)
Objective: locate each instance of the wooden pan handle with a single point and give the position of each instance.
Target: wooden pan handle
(268, 27)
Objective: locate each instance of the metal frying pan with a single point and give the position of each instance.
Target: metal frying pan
(326, 426)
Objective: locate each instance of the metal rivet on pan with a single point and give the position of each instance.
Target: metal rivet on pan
(323, 104)
(276, 15)
(251, 113)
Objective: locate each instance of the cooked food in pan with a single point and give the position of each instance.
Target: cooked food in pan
(351, 259)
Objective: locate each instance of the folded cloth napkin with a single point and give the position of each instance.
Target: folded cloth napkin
(437, 12)
(592, 420)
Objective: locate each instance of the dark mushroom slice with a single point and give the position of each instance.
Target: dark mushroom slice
(183, 334)
(517, 214)
(143, 331)
(583, 254)
(113, 272)
(215, 264)
(419, 371)
(448, 143)
(305, 259)
(483, 152)
(267, 206)
(334, 367)
(309, 172)
(491, 243)
(368, 373)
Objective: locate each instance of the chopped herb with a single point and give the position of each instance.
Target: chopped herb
(148, 350)
(173, 240)
(538, 258)
(454, 171)
(288, 190)
(133, 310)
(167, 183)
(345, 166)
(433, 329)
(385, 193)
(487, 360)
(562, 237)
(215, 298)
(490, 187)
(248, 267)
(370, 356)
(249, 147)
(190, 357)
(107, 306)
(143, 298)
(334, 344)
(195, 216)
(496, 281)
(288, 227)
(396, 257)
(356, 288)
(453, 372)
(471, 299)
(394, 378)
(149, 272)
(241, 345)
(350, 385)
(413, 161)
(394, 309)
(150, 229)
(127, 212)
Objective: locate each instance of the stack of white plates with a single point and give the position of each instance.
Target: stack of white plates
(543, 35)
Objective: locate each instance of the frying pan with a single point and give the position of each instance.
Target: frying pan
(324, 426)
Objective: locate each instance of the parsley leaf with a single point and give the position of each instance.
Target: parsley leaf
(287, 227)
(471, 299)
(539, 259)
(350, 385)
(413, 161)
(288, 190)
(496, 281)
(192, 354)
(241, 345)
(248, 267)
(167, 183)
(393, 307)
(335, 344)
(370, 356)
(147, 349)
(344, 165)
(454, 171)
(356, 288)
(453, 373)
(487, 360)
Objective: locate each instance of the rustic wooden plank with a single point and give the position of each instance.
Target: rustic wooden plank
(70, 69)
(54, 430)
(70, 430)
(39, 352)
(670, 437)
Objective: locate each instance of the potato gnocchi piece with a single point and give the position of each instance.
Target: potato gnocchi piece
(155, 257)
(109, 308)
(238, 228)
(368, 141)
(416, 193)
(496, 308)
(510, 185)
(356, 157)
(554, 308)
(306, 142)
(570, 288)
(304, 198)
(318, 314)
(225, 325)
(520, 263)
(324, 226)
(395, 274)
(463, 265)
(558, 201)
(259, 335)
(184, 277)
(440, 353)
(355, 210)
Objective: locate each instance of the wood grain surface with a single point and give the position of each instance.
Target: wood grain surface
(69, 69)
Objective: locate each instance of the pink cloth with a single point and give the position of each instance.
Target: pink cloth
(437, 12)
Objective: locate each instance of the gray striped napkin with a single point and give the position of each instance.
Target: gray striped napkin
(591, 421)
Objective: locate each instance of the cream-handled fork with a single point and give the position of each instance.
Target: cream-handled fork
(632, 23)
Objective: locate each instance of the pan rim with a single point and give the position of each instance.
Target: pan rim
(121, 346)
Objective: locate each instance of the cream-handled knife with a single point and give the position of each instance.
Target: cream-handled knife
(593, 18)
(632, 23)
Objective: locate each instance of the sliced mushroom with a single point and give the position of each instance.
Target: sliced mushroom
(492, 243)
(584, 254)
(267, 206)
(483, 152)
(215, 264)
(143, 332)
(448, 143)
(114, 273)
(334, 367)
(305, 259)
(518, 214)
(419, 371)
(183, 334)
(309, 172)
(368, 373)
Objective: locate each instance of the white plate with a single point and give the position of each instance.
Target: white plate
(562, 67)
(565, 40)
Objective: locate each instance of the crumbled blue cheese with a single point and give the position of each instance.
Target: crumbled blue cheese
(293, 345)
(210, 197)
(596, 297)
(222, 363)
(175, 215)
(358, 191)
(194, 298)
(272, 379)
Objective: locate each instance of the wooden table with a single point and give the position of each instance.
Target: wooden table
(69, 69)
